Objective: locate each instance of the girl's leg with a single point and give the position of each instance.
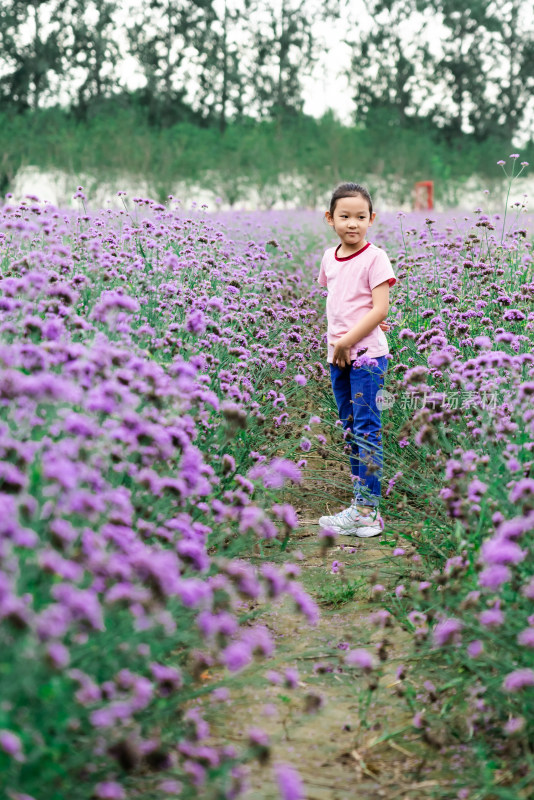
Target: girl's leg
(367, 428)
(341, 385)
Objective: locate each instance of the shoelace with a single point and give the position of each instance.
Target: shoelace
(353, 515)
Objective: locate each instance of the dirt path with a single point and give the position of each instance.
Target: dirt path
(341, 750)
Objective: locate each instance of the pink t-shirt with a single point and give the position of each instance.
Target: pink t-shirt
(350, 281)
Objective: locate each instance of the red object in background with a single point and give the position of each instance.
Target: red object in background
(424, 195)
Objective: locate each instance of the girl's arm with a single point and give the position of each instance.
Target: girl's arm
(374, 317)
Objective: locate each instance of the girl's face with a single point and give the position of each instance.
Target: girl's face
(350, 220)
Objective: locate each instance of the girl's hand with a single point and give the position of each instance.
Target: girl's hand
(385, 326)
(341, 356)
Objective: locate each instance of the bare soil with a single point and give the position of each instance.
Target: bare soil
(342, 748)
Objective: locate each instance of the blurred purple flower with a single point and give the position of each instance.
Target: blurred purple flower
(447, 632)
(11, 744)
(237, 656)
(289, 782)
(109, 790)
(491, 618)
(359, 658)
(494, 576)
(526, 637)
(499, 550)
(475, 648)
(518, 679)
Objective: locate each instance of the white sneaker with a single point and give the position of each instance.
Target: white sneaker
(351, 522)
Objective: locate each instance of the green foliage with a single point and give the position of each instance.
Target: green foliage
(297, 162)
(337, 592)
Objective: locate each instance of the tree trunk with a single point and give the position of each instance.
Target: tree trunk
(224, 93)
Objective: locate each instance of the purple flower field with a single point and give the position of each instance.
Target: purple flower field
(140, 362)
(163, 397)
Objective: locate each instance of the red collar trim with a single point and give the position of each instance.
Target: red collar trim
(357, 253)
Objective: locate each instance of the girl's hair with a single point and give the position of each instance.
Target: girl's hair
(350, 190)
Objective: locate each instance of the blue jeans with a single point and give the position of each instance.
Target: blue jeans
(355, 393)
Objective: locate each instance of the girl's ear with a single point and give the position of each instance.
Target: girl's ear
(373, 217)
(329, 218)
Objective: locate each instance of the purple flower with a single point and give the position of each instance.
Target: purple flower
(58, 655)
(221, 694)
(193, 592)
(381, 618)
(168, 678)
(292, 678)
(491, 618)
(228, 463)
(289, 782)
(113, 301)
(196, 322)
(516, 527)
(447, 631)
(237, 656)
(475, 490)
(170, 787)
(275, 580)
(327, 537)
(259, 640)
(521, 490)
(276, 473)
(494, 576)
(514, 725)
(499, 550)
(528, 589)
(304, 602)
(359, 658)
(287, 514)
(474, 649)
(257, 736)
(11, 744)
(518, 679)
(109, 790)
(12, 480)
(526, 637)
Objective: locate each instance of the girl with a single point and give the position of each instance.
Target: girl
(358, 276)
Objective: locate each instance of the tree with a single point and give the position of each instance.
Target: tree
(222, 78)
(465, 67)
(284, 52)
(461, 62)
(162, 36)
(91, 49)
(391, 65)
(513, 53)
(30, 55)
